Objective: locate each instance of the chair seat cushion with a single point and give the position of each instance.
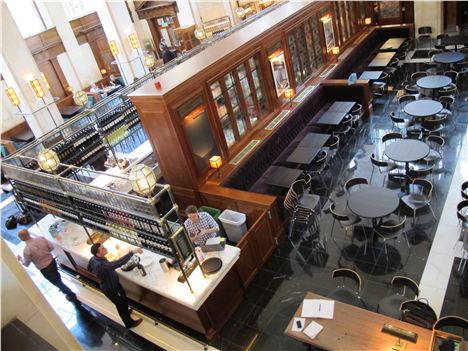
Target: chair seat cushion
(390, 305)
(353, 219)
(415, 201)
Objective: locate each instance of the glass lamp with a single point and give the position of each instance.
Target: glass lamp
(367, 21)
(80, 98)
(216, 162)
(289, 94)
(103, 71)
(48, 160)
(200, 33)
(44, 79)
(335, 50)
(149, 60)
(142, 178)
(240, 12)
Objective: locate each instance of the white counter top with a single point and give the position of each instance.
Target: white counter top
(74, 239)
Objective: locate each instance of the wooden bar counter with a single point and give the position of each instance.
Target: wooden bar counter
(205, 310)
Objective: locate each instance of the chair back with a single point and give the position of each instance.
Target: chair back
(320, 158)
(355, 181)
(451, 321)
(435, 141)
(388, 230)
(440, 36)
(416, 75)
(406, 98)
(406, 282)
(333, 142)
(396, 119)
(464, 192)
(291, 199)
(453, 75)
(425, 186)
(336, 215)
(378, 163)
(391, 136)
(420, 173)
(357, 109)
(425, 30)
(462, 208)
(348, 273)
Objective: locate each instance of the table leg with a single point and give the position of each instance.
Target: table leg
(407, 179)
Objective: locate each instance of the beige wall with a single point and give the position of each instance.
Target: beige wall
(428, 13)
(22, 299)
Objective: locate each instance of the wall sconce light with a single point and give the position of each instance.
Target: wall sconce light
(134, 43)
(80, 98)
(48, 160)
(44, 79)
(325, 18)
(200, 33)
(69, 89)
(150, 61)
(367, 21)
(113, 47)
(15, 101)
(216, 162)
(335, 50)
(289, 94)
(103, 71)
(142, 179)
(37, 88)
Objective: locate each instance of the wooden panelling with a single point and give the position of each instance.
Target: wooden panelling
(56, 88)
(247, 265)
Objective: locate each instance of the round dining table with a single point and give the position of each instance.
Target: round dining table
(433, 82)
(373, 202)
(448, 57)
(407, 150)
(423, 108)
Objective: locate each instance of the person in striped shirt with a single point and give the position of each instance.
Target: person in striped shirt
(200, 226)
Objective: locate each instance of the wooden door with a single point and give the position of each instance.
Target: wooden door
(52, 76)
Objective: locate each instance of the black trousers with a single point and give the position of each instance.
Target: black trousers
(52, 275)
(119, 299)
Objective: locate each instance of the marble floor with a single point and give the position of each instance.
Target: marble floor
(281, 284)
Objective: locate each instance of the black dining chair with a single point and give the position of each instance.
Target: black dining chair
(344, 293)
(400, 124)
(434, 123)
(403, 289)
(419, 196)
(390, 228)
(318, 166)
(384, 167)
(464, 190)
(436, 144)
(332, 148)
(391, 136)
(346, 219)
(428, 310)
(424, 32)
(453, 324)
(462, 211)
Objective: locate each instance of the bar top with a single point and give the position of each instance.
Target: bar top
(73, 239)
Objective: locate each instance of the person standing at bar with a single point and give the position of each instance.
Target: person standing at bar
(38, 251)
(200, 226)
(109, 280)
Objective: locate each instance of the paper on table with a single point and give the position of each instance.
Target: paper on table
(315, 308)
(295, 327)
(213, 241)
(313, 329)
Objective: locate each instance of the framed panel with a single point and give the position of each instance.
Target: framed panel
(328, 32)
(280, 73)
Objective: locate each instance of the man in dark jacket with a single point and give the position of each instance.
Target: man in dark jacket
(109, 280)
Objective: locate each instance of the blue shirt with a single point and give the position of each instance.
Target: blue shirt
(105, 271)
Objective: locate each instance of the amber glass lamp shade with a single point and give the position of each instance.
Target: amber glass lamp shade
(149, 61)
(133, 39)
(80, 98)
(37, 88)
(15, 101)
(142, 179)
(113, 47)
(48, 160)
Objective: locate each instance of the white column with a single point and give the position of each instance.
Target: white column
(428, 13)
(117, 25)
(84, 67)
(141, 26)
(18, 68)
(185, 15)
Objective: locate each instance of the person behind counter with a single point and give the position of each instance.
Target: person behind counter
(200, 226)
(109, 280)
(114, 81)
(38, 251)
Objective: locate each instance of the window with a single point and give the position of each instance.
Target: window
(27, 17)
(239, 99)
